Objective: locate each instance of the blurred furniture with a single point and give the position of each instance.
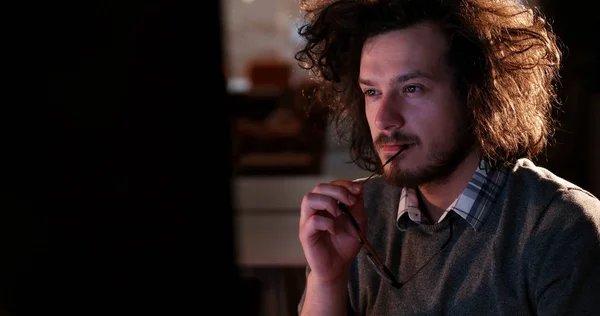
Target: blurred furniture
(274, 135)
(268, 248)
(267, 214)
(268, 74)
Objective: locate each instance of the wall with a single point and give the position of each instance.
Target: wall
(259, 28)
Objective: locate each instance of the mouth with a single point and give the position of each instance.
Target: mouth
(400, 150)
(394, 150)
(390, 149)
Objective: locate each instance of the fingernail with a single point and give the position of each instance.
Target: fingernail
(355, 188)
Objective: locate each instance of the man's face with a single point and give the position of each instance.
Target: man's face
(410, 99)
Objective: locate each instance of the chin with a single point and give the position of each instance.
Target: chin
(415, 173)
(406, 177)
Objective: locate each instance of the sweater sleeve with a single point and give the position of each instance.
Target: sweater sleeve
(565, 253)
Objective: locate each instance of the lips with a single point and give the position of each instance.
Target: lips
(394, 147)
(392, 151)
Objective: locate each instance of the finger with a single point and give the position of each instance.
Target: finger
(342, 191)
(313, 203)
(352, 186)
(309, 231)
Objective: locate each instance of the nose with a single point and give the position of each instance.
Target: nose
(389, 113)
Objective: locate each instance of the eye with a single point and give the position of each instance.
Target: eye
(412, 89)
(370, 92)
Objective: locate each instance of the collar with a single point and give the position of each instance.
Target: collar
(473, 204)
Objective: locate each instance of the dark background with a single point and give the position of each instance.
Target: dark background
(574, 155)
(116, 166)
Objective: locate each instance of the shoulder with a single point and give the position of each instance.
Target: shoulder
(551, 202)
(540, 185)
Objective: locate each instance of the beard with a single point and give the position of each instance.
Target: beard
(442, 159)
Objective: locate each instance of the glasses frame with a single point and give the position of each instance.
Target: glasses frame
(381, 268)
(378, 264)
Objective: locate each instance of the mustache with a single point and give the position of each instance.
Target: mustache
(397, 137)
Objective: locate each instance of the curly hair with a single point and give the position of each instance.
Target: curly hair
(504, 55)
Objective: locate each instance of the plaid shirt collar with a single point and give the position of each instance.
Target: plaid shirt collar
(473, 204)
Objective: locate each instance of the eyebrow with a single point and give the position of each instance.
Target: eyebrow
(399, 78)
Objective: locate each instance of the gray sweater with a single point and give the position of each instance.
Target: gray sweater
(538, 253)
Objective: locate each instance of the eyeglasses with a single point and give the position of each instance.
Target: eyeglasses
(379, 265)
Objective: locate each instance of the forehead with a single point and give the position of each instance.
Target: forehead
(418, 47)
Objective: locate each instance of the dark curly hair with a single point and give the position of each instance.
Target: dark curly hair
(505, 57)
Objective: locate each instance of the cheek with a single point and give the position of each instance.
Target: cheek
(447, 132)
(434, 128)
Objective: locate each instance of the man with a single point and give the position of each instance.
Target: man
(461, 221)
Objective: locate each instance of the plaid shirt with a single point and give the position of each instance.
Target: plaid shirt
(473, 204)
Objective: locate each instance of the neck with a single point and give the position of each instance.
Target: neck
(438, 196)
